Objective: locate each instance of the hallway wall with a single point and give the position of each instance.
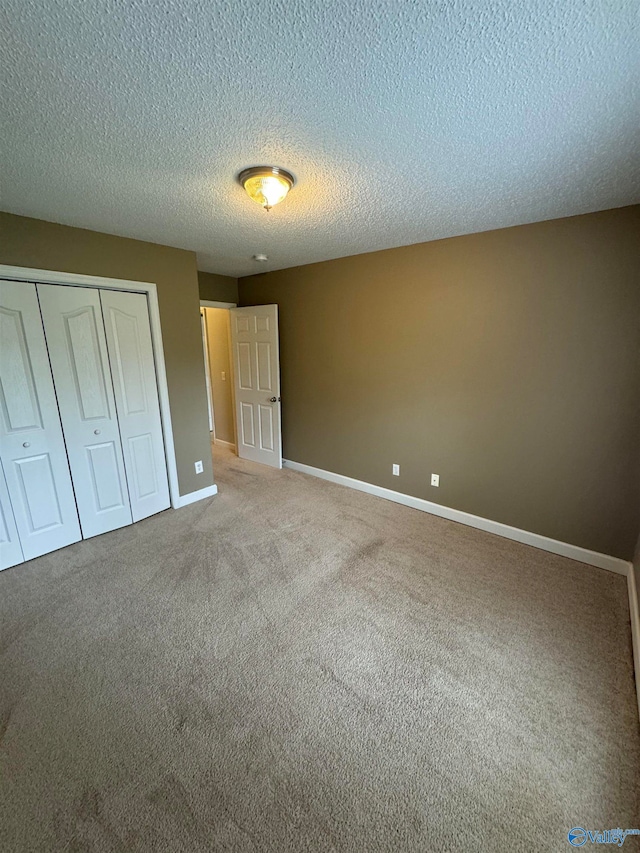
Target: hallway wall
(217, 288)
(217, 322)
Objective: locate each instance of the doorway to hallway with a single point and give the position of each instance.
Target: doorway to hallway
(219, 372)
(242, 366)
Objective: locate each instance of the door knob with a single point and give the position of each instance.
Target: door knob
(274, 399)
(26, 444)
(96, 432)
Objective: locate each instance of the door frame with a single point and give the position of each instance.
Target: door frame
(150, 290)
(209, 303)
(207, 371)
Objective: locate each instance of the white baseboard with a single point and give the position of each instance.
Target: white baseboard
(224, 443)
(192, 497)
(635, 627)
(564, 549)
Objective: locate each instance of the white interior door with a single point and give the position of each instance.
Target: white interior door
(74, 329)
(126, 318)
(32, 448)
(254, 342)
(10, 548)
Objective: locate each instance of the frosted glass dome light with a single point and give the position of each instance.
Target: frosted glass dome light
(266, 185)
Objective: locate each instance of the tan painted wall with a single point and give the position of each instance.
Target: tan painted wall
(217, 288)
(45, 245)
(508, 362)
(217, 320)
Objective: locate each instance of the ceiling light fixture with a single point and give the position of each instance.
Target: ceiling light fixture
(266, 185)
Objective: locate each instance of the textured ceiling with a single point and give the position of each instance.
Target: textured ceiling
(402, 121)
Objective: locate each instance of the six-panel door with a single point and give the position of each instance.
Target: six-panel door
(254, 341)
(74, 329)
(130, 349)
(32, 448)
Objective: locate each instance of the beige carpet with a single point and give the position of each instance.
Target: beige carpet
(294, 666)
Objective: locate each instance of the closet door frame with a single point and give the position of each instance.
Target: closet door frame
(149, 288)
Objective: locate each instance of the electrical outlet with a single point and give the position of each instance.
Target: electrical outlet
(435, 479)
(199, 468)
(395, 470)
(223, 375)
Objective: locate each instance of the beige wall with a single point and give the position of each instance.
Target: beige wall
(508, 362)
(217, 288)
(217, 320)
(45, 245)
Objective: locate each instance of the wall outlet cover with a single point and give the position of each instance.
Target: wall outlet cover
(199, 467)
(395, 470)
(435, 479)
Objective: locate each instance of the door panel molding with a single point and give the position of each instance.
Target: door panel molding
(10, 547)
(107, 490)
(35, 476)
(20, 413)
(127, 341)
(81, 331)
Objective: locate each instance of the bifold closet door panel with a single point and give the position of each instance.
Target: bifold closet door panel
(126, 319)
(32, 448)
(10, 548)
(74, 329)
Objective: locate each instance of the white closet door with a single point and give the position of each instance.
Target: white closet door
(10, 548)
(74, 329)
(126, 318)
(31, 444)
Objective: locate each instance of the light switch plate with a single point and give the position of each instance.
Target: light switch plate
(395, 470)
(435, 479)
